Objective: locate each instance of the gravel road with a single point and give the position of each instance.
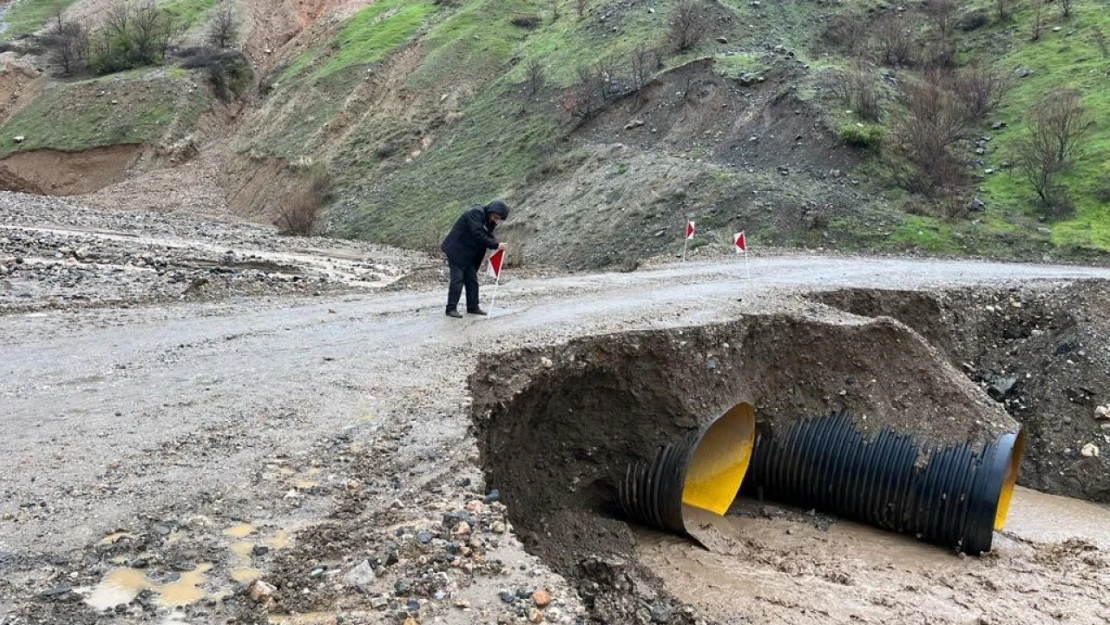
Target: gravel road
(117, 418)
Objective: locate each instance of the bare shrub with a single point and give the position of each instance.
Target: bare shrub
(1056, 137)
(858, 90)
(895, 41)
(846, 33)
(641, 66)
(942, 13)
(688, 25)
(229, 72)
(131, 37)
(1066, 7)
(223, 32)
(926, 135)
(1002, 9)
(1038, 20)
(980, 90)
(939, 53)
(533, 77)
(586, 98)
(300, 209)
(1100, 41)
(580, 7)
(67, 44)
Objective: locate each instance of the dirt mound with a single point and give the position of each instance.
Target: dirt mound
(557, 427)
(1040, 351)
(70, 173)
(730, 121)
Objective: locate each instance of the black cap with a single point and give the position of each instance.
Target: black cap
(499, 207)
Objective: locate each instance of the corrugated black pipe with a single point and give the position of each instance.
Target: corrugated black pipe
(952, 495)
(702, 470)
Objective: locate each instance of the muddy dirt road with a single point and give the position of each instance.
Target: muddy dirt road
(176, 423)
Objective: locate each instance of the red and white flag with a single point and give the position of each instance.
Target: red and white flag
(689, 229)
(495, 261)
(739, 242)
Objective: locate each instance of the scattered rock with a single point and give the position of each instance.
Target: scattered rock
(424, 537)
(20, 139)
(998, 125)
(535, 616)
(636, 123)
(379, 602)
(462, 529)
(494, 495)
(1090, 450)
(57, 591)
(462, 604)
(1102, 412)
(260, 591)
(541, 598)
(361, 576)
(722, 39)
(661, 613)
(1022, 72)
(507, 596)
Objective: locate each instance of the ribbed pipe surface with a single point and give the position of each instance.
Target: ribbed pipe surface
(950, 495)
(702, 469)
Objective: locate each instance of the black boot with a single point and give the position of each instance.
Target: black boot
(454, 313)
(476, 311)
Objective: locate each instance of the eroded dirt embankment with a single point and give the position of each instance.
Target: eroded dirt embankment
(1041, 352)
(556, 427)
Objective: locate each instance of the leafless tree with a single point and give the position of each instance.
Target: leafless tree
(1038, 20)
(533, 77)
(1002, 8)
(586, 97)
(67, 43)
(641, 64)
(942, 13)
(925, 135)
(856, 88)
(980, 90)
(688, 25)
(223, 32)
(895, 40)
(1058, 130)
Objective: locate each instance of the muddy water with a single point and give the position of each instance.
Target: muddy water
(1050, 564)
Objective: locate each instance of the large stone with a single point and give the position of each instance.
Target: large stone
(361, 576)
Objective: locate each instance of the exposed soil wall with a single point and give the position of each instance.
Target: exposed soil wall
(52, 172)
(556, 427)
(1042, 352)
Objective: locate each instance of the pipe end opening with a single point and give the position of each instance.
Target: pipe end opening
(1008, 483)
(720, 461)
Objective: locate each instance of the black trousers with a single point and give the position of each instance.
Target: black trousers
(463, 276)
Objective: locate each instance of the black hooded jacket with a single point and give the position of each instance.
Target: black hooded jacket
(472, 234)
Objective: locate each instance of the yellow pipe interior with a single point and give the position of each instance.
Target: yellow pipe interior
(1008, 483)
(720, 461)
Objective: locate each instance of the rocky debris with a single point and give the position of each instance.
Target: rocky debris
(57, 254)
(361, 576)
(1102, 412)
(260, 591)
(1090, 450)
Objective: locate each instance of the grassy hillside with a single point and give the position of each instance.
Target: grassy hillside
(419, 109)
(130, 108)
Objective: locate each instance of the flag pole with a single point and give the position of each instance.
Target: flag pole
(496, 284)
(685, 242)
(747, 264)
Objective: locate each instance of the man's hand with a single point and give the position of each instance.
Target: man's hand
(502, 246)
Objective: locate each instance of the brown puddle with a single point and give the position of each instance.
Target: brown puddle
(123, 585)
(115, 537)
(1051, 564)
(239, 530)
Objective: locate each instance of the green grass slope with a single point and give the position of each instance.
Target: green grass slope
(466, 131)
(131, 108)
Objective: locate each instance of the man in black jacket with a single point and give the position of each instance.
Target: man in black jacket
(465, 247)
